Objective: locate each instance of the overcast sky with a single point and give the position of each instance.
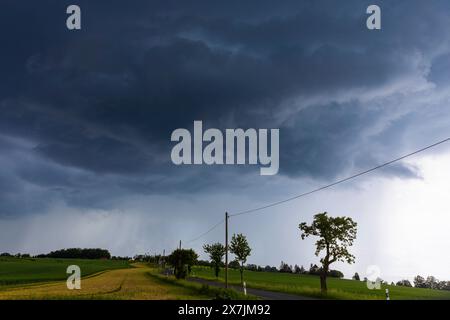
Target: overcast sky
(86, 118)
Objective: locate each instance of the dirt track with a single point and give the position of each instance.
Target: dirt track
(131, 283)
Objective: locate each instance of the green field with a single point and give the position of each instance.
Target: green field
(307, 285)
(142, 282)
(17, 271)
(121, 281)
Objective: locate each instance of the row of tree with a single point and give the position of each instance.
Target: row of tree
(336, 235)
(313, 270)
(239, 246)
(78, 253)
(17, 255)
(419, 282)
(83, 255)
(70, 253)
(182, 260)
(431, 283)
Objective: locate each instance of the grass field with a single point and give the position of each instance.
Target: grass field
(45, 279)
(307, 285)
(15, 271)
(130, 284)
(108, 279)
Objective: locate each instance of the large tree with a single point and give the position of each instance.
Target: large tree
(182, 260)
(216, 252)
(241, 249)
(335, 234)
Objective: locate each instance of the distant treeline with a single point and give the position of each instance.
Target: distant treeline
(284, 267)
(78, 253)
(71, 253)
(429, 283)
(17, 255)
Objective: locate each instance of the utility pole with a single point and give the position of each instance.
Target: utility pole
(226, 250)
(180, 244)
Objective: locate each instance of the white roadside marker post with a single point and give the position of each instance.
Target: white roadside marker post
(245, 289)
(387, 294)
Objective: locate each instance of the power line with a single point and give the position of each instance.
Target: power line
(319, 189)
(205, 233)
(341, 180)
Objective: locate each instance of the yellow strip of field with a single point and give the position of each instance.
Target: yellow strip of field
(131, 284)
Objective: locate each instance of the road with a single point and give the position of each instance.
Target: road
(263, 294)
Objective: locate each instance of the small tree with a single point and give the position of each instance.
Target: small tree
(356, 277)
(419, 282)
(404, 283)
(216, 252)
(444, 285)
(314, 269)
(182, 260)
(335, 234)
(335, 274)
(234, 264)
(241, 249)
(302, 270)
(285, 268)
(432, 282)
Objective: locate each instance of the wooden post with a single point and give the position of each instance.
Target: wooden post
(226, 249)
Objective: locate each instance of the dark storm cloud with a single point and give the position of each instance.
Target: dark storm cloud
(97, 106)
